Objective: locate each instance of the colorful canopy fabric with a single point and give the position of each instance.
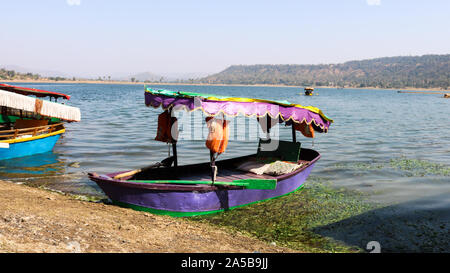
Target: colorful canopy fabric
(232, 106)
(41, 107)
(31, 91)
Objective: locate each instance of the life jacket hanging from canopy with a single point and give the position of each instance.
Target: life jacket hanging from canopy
(167, 128)
(217, 140)
(306, 129)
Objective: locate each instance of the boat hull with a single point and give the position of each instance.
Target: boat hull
(30, 147)
(192, 203)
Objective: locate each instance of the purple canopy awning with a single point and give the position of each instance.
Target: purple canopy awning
(230, 106)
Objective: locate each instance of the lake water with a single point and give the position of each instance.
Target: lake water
(395, 147)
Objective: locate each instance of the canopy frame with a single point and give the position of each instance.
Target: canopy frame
(32, 91)
(170, 100)
(43, 108)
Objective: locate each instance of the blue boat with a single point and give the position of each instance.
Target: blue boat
(30, 125)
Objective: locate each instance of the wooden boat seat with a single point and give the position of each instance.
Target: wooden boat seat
(224, 174)
(29, 123)
(286, 150)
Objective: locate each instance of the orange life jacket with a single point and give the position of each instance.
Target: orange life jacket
(217, 140)
(305, 129)
(165, 122)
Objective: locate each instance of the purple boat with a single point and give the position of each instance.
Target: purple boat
(216, 186)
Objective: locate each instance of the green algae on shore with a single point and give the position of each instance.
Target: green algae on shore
(418, 167)
(324, 218)
(409, 167)
(289, 221)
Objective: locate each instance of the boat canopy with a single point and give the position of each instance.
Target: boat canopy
(37, 106)
(31, 91)
(213, 105)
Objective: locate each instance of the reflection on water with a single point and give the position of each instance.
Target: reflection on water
(47, 170)
(41, 165)
(393, 147)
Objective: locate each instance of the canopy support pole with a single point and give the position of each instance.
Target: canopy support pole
(174, 146)
(212, 161)
(294, 135)
(175, 156)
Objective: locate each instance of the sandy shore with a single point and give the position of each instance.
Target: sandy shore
(211, 84)
(36, 220)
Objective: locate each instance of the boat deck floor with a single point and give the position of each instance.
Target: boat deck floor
(227, 174)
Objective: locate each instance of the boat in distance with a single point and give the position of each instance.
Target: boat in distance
(309, 91)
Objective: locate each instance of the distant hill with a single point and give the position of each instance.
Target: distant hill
(184, 76)
(428, 71)
(146, 76)
(166, 77)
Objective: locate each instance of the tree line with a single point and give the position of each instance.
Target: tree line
(13, 75)
(427, 71)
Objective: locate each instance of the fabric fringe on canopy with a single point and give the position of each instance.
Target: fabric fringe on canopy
(41, 107)
(213, 105)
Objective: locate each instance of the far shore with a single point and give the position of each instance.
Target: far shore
(440, 90)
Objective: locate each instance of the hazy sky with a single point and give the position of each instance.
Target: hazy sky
(103, 37)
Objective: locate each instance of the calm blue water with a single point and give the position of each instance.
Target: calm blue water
(394, 146)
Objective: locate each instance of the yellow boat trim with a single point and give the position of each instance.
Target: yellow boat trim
(17, 140)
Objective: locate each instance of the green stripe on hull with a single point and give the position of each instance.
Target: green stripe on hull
(194, 213)
(262, 184)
